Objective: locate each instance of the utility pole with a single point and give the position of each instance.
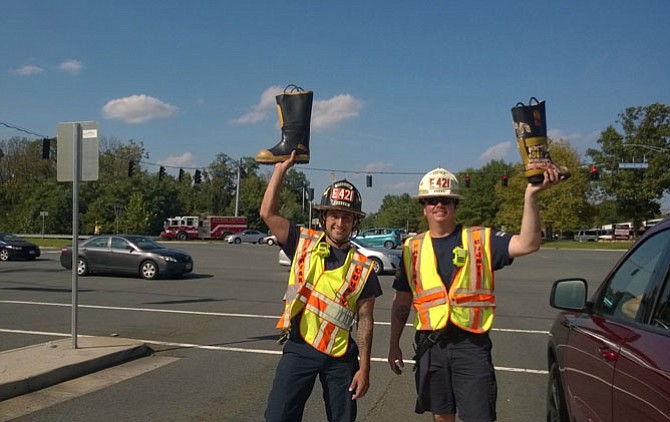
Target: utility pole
(237, 193)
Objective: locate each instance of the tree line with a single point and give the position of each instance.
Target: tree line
(139, 203)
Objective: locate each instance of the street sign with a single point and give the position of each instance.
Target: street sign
(84, 134)
(633, 165)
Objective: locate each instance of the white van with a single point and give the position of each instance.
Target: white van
(587, 235)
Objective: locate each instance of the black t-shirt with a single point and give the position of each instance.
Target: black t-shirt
(336, 259)
(444, 247)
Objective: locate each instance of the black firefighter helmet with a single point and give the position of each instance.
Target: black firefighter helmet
(342, 195)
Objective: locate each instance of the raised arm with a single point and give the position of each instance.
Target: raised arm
(529, 238)
(270, 206)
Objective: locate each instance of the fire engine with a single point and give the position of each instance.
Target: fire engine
(210, 227)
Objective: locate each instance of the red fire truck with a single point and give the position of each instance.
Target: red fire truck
(210, 227)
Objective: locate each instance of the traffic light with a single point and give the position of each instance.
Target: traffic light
(368, 180)
(46, 148)
(467, 181)
(197, 177)
(131, 168)
(181, 174)
(161, 173)
(594, 175)
(505, 180)
(311, 194)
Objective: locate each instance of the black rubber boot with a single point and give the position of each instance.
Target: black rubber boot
(530, 125)
(295, 114)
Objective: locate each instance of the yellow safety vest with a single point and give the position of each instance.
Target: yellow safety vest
(470, 302)
(328, 300)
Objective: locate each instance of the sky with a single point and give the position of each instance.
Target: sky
(400, 87)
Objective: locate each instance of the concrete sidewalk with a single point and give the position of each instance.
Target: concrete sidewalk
(32, 368)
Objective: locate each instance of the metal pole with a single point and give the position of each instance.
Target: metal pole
(76, 165)
(237, 193)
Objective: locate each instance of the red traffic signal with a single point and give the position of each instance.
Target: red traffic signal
(505, 180)
(594, 175)
(467, 181)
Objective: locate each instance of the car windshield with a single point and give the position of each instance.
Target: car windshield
(146, 244)
(10, 237)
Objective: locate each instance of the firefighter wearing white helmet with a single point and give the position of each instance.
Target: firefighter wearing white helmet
(331, 287)
(438, 182)
(447, 276)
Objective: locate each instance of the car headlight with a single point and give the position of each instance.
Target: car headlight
(169, 259)
(18, 248)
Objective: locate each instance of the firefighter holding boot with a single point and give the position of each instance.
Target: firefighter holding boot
(331, 288)
(446, 275)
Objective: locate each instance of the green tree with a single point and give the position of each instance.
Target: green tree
(135, 219)
(645, 137)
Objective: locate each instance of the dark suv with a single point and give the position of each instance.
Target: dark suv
(609, 357)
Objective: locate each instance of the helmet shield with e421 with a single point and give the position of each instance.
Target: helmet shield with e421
(341, 195)
(438, 183)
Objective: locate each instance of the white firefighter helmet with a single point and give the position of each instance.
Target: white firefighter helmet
(438, 183)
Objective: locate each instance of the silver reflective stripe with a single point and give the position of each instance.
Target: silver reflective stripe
(334, 312)
(473, 292)
(440, 301)
(429, 292)
(474, 304)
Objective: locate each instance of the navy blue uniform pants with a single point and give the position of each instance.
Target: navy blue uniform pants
(294, 380)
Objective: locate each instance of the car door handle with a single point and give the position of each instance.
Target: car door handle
(608, 354)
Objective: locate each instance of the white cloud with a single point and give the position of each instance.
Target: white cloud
(262, 109)
(27, 70)
(73, 67)
(185, 160)
(497, 152)
(137, 109)
(325, 113)
(329, 113)
(377, 166)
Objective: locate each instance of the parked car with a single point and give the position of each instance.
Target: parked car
(247, 236)
(127, 255)
(383, 260)
(608, 356)
(381, 236)
(268, 240)
(13, 247)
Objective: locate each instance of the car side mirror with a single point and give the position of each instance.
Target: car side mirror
(569, 294)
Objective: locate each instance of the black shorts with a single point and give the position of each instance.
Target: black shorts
(457, 375)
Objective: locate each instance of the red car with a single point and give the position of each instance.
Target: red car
(609, 357)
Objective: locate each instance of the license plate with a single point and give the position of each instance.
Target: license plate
(189, 266)
(31, 252)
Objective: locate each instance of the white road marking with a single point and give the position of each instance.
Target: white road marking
(223, 314)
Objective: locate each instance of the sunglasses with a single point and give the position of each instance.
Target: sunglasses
(443, 201)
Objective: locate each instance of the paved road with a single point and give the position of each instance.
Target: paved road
(214, 332)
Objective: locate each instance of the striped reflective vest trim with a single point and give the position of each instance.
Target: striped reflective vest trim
(326, 300)
(470, 302)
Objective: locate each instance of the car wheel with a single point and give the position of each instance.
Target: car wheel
(149, 270)
(182, 236)
(237, 241)
(4, 255)
(389, 245)
(556, 408)
(377, 265)
(271, 242)
(82, 267)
